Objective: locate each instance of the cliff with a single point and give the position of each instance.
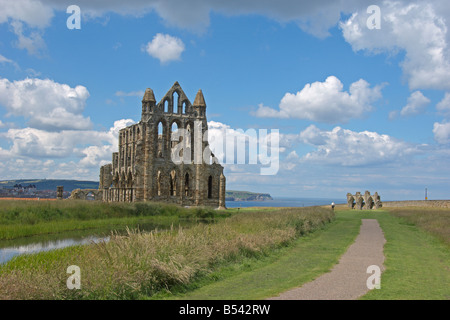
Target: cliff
(246, 196)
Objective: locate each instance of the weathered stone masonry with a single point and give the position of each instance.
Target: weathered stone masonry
(364, 202)
(143, 169)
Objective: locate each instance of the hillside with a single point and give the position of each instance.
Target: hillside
(50, 184)
(232, 195)
(69, 185)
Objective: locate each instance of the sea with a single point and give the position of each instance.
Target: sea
(285, 202)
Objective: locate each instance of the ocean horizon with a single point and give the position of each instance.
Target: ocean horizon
(285, 202)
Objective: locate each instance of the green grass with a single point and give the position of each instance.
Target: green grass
(417, 261)
(14, 231)
(140, 265)
(434, 220)
(26, 218)
(307, 258)
(252, 254)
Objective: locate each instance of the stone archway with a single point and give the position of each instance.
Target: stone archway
(82, 194)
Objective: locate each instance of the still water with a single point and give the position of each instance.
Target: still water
(27, 245)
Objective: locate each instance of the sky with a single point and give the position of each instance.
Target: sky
(359, 91)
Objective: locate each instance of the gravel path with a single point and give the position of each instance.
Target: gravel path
(347, 280)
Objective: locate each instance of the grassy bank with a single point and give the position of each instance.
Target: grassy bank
(417, 260)
(417, 255)
(307, 258)
(141, 265)
(26, 218)
(433, 220)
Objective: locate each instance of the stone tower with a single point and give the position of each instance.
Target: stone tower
(166, 157)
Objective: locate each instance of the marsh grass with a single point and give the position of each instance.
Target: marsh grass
(25, 218)
(138, 264)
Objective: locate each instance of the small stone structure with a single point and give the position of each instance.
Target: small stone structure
(364, 202)
(82, 194)
(59, 192)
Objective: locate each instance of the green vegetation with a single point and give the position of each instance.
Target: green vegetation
(25, 218)
(51, 184)
(417, 256)
(307, 258)
(231, 195)
(434, 220)
(417, 261)
(140, 265)
(252, 253)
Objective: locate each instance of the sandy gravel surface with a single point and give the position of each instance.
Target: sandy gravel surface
(348, 279)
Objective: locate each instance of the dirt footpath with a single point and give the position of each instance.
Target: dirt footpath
(348, 279)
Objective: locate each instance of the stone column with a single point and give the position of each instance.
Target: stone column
(222, 190)
(59, 192)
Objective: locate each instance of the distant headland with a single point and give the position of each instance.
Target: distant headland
(232, 195)
(47, 188)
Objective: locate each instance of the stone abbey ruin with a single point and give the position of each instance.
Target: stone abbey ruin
(146, 166)
(364, 202)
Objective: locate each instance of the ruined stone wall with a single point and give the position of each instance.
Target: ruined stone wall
(82, 194)
(364, 202)
(143, 168)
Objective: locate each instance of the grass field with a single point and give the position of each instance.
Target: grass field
(417, 255)
(251, 254)
(26, 218)
(139, 265)
(417, 260)
(307, 258)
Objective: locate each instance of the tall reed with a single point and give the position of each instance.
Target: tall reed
(141, 264)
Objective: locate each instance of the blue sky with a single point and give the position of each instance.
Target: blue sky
(356, 108)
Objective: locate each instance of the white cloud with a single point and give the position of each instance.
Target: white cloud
(38, 153)
(418, 28)
(46, 104)
(257, 150)
(34, 43)
(443, 107)
(326, 102)
(442, 132)
(165, 48)
(417, 103)
(3, 59)
(349, 148)
(315, 17)
(34, 12)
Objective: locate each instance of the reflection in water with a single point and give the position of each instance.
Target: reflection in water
(12, 248)
(8, 253)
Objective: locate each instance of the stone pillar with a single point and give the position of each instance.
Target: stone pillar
(222, 189)
(350, 200)
(147, 174)
(59, 192)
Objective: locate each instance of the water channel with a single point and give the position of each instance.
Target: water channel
(33, 244)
